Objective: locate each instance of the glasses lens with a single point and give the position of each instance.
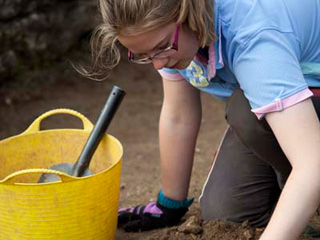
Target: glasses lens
(141, 60)
(144, 59)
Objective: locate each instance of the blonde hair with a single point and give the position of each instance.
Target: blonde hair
(132, 17)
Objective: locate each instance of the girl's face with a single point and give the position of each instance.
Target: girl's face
(151, 42)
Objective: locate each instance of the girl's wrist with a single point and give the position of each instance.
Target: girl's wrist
(171, 203)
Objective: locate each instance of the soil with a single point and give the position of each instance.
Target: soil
(135, 125)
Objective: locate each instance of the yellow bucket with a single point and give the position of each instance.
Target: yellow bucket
(73, 208)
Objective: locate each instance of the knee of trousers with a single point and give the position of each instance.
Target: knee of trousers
(225, 208)
(215, 206)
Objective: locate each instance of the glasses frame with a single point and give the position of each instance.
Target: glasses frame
(150, 59)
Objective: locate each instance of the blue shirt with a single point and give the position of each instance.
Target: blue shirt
(264, 46)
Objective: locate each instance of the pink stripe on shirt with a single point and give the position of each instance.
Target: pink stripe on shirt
(281, 104)
(211, 62)
(171, 76)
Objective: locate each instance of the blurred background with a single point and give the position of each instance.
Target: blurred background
(39, 37)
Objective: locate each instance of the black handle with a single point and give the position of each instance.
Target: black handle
(103, 122)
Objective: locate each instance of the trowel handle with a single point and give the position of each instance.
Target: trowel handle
(99, 130)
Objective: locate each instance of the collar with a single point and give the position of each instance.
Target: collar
(217, 43)
(215, 61)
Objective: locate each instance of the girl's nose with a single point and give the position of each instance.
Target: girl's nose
(159, 63)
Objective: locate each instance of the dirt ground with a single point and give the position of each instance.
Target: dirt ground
(135, 125)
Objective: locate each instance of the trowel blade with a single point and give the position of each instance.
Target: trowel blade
(63, 167)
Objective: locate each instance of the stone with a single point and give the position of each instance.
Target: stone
(245, 224)
(191, 226)
(249, 234)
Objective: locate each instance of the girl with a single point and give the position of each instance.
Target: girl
(262, 57)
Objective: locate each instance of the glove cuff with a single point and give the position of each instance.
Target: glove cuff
(173, 204)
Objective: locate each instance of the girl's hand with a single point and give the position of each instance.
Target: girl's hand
(149, 217)
(153, 215)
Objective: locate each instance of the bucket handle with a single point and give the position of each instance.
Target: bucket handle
(35, 126)
(9, 180)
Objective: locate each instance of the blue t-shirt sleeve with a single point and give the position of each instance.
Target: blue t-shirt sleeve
(268, 70)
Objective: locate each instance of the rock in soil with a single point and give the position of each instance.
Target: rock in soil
(192, 225)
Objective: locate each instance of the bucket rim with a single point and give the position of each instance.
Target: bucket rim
(116, 162)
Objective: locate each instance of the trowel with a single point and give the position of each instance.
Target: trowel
(81, 167)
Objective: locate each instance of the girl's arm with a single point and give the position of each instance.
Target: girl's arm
(298, 131)
(178, 129)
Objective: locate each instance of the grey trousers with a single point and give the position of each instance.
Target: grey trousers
(249, 169)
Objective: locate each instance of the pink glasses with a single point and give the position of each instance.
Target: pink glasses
(167, 52)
